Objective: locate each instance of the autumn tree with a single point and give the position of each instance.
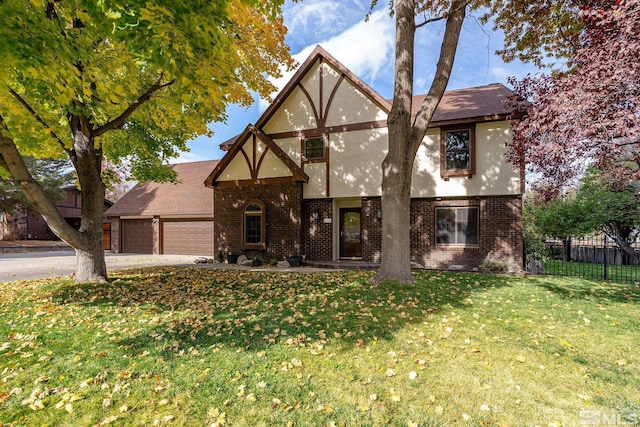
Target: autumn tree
(611, 205)
(601, 204)
(135, 80)
(589, 113)
(534, 31)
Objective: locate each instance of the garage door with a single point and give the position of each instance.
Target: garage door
(137, 236)
(188, 237)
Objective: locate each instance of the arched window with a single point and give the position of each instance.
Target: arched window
(253, 228)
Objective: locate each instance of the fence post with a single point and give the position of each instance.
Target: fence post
(606, 261)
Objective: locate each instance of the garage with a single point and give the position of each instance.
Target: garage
(137, 236)
(187, 237)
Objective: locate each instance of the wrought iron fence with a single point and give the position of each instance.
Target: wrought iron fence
(594, 258)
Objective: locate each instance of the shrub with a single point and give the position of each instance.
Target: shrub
(257, 261)
(490, 265)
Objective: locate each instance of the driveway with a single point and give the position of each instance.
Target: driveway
(36, 265)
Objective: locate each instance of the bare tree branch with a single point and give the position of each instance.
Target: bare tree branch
(122, 118)
(428, 21)
(448, 48)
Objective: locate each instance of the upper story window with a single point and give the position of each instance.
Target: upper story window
(314, 149)
(457, 151)
(457, 226)
(254, 225)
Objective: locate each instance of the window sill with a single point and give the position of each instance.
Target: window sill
(457, 174)
(458, 248)
(256, 247)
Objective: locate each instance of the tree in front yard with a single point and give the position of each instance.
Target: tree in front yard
(602, 204)
(590, 113)
(110, 80)
(406, 136)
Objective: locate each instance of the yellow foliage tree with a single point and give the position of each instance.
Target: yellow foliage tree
(112, 80)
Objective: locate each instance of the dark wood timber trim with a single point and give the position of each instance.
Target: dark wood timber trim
(310, 133)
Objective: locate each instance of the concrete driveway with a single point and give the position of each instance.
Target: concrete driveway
(36, 265)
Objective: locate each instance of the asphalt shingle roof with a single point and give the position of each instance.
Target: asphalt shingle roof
(188, 196)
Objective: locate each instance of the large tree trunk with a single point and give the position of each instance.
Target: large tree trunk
(405, 138)
(87, 159)
(88, 241)
(622, 239)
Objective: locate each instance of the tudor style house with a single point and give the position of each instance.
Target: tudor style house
(306, 178)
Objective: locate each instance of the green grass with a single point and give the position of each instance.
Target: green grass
(615, 273)
(191, 346)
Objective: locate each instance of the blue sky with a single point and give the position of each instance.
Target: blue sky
(367, 49)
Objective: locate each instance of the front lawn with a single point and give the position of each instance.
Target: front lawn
(191, 346)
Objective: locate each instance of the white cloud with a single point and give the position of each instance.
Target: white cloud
(314, 17)
(365, 48)
(187, 156)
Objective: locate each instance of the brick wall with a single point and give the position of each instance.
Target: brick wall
(116, 244)
(500, 233)
(283, 205)
(13, 226)
(318, 236)
(371, 229)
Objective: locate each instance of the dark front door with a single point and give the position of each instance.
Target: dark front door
(350, 232)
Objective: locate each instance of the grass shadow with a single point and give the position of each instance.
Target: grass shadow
(598, 291)
(191, 307)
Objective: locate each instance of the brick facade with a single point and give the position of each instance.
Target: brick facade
(371, 229)
(116, 243)
(297, 227)
(283, 206)
(500, 233)
(318, 234)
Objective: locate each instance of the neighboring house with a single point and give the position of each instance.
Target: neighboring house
(26, 223)
(166, 218)
(306, 178)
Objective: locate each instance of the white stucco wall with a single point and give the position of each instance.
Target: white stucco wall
(355, 157)
(493, 175)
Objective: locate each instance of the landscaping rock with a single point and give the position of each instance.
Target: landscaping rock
(283, 264)
(416, 266)
(534, 266)
(200, 260)
(244, 261)
(456, 267)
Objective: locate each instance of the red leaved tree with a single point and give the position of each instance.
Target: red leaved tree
(589, 114)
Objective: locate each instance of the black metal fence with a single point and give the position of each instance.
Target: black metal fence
(594, 258)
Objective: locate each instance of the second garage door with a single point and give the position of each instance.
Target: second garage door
(188, 237)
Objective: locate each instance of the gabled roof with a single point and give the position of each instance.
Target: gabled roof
(186, 197)
(318, 53)
(297, 173)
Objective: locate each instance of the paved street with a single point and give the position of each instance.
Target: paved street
(34, 265)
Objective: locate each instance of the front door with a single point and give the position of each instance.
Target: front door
(350, 232)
